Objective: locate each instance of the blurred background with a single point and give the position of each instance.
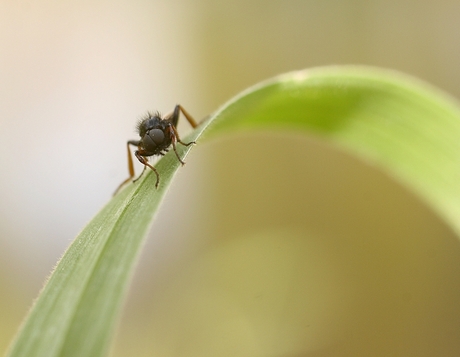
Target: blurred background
(332, 258)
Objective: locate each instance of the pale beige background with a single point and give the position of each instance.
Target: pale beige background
(266, 245)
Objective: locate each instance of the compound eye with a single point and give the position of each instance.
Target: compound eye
(157, 136)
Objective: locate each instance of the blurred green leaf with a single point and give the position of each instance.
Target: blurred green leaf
(407, 128)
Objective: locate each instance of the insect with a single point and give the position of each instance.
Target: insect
(157, 134)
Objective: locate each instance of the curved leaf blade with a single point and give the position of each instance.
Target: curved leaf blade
(407, 128)
(402, 125)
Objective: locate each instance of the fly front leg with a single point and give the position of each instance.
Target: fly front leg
(175, 139)
(144, 161)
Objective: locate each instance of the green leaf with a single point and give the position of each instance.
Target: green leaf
(407, 128)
